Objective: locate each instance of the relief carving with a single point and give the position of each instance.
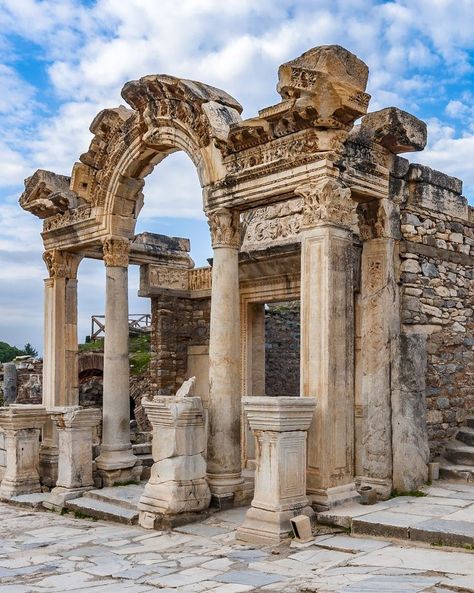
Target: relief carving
(69, 218)
(116, 252)
(278, 222)
(163, 277)
(327, 203)
(225, 228)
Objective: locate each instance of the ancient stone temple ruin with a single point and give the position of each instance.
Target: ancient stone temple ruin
(308, 202)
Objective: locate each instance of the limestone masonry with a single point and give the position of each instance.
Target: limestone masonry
(373, 256)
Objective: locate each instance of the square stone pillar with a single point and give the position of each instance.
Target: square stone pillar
(74, 425)
(280, 425)
(21, 425)
(327, 339)
(60, 359)
(177, 485)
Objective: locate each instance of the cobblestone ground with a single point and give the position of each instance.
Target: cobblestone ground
(42, 551)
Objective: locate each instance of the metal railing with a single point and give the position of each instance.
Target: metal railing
(137, 322)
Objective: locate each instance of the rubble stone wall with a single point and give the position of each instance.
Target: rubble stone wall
(282, 350)
(437, 290)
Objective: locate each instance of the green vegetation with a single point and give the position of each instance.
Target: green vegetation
(139, 348)
(416, 493)
(8, 353)
(126, 483)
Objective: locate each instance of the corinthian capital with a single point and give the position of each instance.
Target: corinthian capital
(61, 264)
(116, 252)
(328, 202)
(225, 228)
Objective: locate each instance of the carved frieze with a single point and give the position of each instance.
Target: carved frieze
(225, 228)
(277, 223)
(70, 217)
(116, 252)
(61, 264)
(200, 279)
(327, 202)
(164, 277)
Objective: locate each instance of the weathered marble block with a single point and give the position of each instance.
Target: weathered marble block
(177, 482)
(21, 425)
(75, 431)
(280, 425)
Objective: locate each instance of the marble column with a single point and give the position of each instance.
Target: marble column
(280, 425)
(327, 339)
(60, 358)
(223, 453)
(116, 462)
(21, 425)
(75, 426)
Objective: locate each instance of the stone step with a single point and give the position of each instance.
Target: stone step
(142, 448)
(470, 421)
(457, 473)
(126, 497)
(466, 436)
(98, 509)
(460, 454)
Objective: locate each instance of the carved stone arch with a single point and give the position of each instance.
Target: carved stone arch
(169, 114)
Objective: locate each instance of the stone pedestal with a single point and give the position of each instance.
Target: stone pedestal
(280, 425)
(75, 426)
(177, 485)
(116, 462)
(21, 425)
(224, 465)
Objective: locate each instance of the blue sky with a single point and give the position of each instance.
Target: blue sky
(62, 61)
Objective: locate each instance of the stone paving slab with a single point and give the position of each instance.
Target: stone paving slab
(72, 555)
(444, 516)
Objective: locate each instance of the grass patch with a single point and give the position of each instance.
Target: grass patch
(97, 346)
(79, 515)
(415, 493)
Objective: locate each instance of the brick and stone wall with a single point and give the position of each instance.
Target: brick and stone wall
(176, 324)
(282, 349)
(437, 290)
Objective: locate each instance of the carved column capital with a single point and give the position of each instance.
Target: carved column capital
(225, 228)
(327, 202)
(116, 252)
(61, 264)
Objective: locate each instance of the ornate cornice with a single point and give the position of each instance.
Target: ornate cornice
(116, 252)
(327, 202)
(225, 228)
(61, 264)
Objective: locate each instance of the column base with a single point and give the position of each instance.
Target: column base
(382, 486)
(327, 498)
(124, 475)
(59, 495)
(269, 527)
(11, 488)
(116, 465)
(227, 490)
(48, 466)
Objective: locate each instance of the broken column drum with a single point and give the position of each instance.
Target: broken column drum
(177, 483)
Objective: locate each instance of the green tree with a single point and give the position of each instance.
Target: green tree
(28, 349)
(8, 353)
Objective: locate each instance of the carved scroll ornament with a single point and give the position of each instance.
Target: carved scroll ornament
(225, 228)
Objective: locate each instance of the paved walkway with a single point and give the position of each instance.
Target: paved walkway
(45, 552)
(445, 516)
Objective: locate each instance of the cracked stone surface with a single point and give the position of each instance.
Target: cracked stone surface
(43, 551)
